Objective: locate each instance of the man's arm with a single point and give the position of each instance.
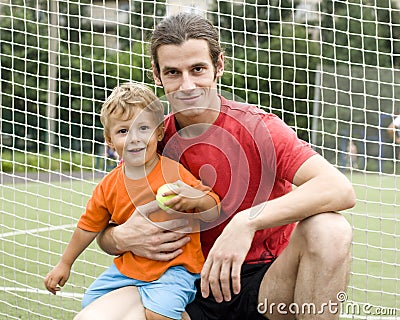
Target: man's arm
(320, 188)
(162, 241)
(107, 242)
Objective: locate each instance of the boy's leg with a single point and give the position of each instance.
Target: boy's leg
(110, 280)
(310, 272)
(169, 295)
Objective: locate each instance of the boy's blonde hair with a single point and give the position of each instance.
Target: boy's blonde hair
(124, 101)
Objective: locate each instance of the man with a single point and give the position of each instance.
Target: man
(393, 129)
(250, 159)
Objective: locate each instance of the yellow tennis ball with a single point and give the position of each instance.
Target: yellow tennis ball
(162, 199)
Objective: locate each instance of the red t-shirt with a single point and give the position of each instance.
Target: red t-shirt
(247, 157)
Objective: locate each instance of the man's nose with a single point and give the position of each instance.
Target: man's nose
(187, 82)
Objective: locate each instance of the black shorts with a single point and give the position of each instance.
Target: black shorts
(242, 306)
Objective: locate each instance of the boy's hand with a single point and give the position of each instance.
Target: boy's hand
(186, 198)
(57, 277)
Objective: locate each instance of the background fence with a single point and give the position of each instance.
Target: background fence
(329, 69)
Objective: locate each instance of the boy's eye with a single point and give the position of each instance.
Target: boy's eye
(144, 128)
(123, 131)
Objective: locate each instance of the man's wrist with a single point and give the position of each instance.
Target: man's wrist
(115, 237)
(253, 216)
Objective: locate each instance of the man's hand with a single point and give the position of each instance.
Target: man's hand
(160, 241)
(224, 262)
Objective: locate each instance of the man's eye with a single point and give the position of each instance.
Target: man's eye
(198, 69)
(171, 72)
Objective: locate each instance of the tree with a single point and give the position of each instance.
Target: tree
(360, 32)
(87, 70)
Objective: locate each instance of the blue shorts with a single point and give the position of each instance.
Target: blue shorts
(169, 295)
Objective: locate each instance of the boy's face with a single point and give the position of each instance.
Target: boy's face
(135, 140)
(189, 76)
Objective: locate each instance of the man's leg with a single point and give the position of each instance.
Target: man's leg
(310, 272)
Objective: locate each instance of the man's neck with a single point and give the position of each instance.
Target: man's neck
(191, 127)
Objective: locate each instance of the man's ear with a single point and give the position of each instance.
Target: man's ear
(156, 74)
(220, 66)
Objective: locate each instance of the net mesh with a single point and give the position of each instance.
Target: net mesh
(329, 69)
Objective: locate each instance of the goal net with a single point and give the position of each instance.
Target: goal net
(329, 69)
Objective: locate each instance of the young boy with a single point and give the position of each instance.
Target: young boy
(132, 118)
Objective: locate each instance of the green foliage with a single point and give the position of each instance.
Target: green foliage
(361, 33)
(249, 22)
(144, 16)
(87, 71)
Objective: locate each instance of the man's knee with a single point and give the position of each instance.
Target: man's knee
(328, 235)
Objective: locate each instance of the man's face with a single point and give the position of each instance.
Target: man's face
(189, 77)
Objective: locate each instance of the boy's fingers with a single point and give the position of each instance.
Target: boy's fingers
(62, 282)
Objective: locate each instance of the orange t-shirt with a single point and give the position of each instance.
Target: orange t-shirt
(116, 197)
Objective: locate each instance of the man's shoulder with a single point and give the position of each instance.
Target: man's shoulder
(245, 110)
(251, 116)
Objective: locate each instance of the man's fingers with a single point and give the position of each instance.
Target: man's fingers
(165, 256)
(235, 277)
(210, 279)
(204, 283)
(180, 226)
(148, 208)
(215, 285)
(225, 280)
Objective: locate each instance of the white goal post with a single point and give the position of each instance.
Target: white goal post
(329, 69)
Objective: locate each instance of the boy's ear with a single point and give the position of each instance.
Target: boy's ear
(109, 142)
(156, 74)
(160, 133)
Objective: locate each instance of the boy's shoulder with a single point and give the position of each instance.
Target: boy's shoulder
(112, 177)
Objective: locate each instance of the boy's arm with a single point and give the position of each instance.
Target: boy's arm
(80, 240)
(208, 207)
(59, 275)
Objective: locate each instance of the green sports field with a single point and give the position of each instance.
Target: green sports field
(37, 219)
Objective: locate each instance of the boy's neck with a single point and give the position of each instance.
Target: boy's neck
(140, 172)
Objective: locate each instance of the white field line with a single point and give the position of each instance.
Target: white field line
(37, 230)
(27, 290)
(33, 231)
